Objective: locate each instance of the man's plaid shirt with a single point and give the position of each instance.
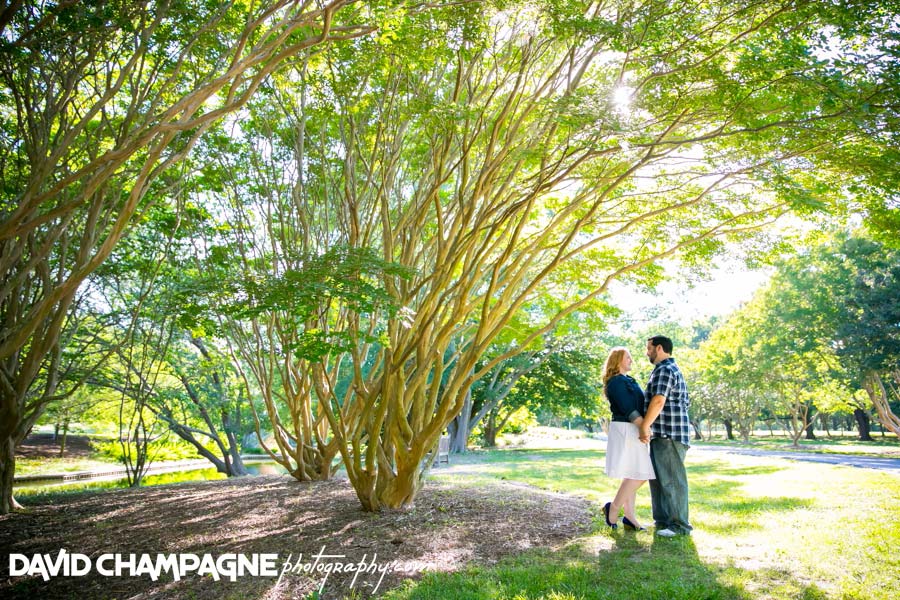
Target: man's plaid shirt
(673, 422)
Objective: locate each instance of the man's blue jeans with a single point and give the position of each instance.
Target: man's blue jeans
(669, 491)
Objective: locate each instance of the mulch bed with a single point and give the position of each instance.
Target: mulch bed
(450, 526)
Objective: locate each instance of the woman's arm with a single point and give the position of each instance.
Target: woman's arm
(635, 402)
(623, 400)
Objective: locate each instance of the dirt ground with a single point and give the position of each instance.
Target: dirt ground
(450, 526)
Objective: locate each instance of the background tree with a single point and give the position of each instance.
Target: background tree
(209, 407)
(731, 374)
(560, 367)
(833, 299)
(821, 330)
(129, 292)
(486, 397)
(704, 405)
(868, 336)
(63, 414)
(568, 385)
(140, 380)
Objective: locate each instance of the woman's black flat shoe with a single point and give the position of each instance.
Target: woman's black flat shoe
(606, 512)
(629, 525)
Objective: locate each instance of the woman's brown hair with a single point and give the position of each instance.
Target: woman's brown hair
(613, 365)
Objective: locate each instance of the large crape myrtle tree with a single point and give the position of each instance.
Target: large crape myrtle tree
(98, 101)
(498, 151)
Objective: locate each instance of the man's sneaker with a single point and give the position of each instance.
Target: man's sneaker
(666, 533)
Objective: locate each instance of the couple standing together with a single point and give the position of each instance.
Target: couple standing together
(659, 417)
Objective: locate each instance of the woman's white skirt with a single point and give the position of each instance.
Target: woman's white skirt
(626, 456)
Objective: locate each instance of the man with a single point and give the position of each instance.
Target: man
(667, 427)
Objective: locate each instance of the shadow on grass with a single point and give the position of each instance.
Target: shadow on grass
(716, 489)
(637, 566)
(722, 468)
(716, 486)
(730, 525)
(633, 568)
(277, 515)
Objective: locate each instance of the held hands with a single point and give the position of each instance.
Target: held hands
(643, 430)
(644, 433)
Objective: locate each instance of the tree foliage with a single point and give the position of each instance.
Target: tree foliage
(382, 210)
(825, 327)
(483, 149)
(100, 100)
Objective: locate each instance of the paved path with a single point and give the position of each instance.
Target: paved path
(848, 460)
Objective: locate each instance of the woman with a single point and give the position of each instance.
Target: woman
(626, 456)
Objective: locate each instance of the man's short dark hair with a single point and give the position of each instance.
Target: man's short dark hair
(661, 340)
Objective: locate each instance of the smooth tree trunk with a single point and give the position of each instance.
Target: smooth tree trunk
(452, 430)
(138, 461)
(230, 463)
(881, 399)
(395, 493)
(497, 389)
(7, 472)
(62, 442)
(494, 424)
(800, 421)
(236, 463)
(12, 432)
(864, 425)
(810, 434)
(824, 419)
(490, 432)
(697, 434)
(729, 429)
(460, 428)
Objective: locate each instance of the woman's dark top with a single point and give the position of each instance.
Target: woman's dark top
(626, 398)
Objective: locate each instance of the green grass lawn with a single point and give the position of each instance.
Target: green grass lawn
(888, 447)
(764, 528)
(44, 466)
(105, 453)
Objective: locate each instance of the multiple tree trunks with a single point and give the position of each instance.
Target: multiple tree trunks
(86, 180)
(457, 170)
(880, 397)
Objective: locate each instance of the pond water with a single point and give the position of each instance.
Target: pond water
(48, 486)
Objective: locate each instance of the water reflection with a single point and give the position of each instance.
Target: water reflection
(204, 474)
